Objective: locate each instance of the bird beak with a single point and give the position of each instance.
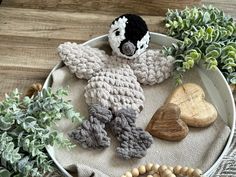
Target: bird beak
(128, 48)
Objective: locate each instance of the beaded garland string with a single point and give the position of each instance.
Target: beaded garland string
(155, 170)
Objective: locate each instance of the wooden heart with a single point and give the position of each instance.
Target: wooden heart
(166, 124)
(195, 110)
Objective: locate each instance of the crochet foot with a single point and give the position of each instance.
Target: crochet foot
(134, 141)
(134, 144)
(91, 133)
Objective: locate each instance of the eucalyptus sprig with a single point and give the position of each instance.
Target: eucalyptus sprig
(206, 34)
(26, 129)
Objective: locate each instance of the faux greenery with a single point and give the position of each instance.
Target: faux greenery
(25, 131)
(206, 34)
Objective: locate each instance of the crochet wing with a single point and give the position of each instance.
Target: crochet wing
(82, 60)
(152, 67)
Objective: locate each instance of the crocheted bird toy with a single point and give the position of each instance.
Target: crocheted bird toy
(113, 93)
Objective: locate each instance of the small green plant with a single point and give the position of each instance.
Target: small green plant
(206, 34)
(25, 131)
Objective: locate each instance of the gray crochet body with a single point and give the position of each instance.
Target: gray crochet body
(114, 95)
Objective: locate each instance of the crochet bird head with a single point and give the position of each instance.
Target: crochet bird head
(128, 36)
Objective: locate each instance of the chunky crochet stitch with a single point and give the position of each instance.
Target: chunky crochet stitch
(114, 84)
(134, 141)
(91, 133)
(115, 87)
(114, 81)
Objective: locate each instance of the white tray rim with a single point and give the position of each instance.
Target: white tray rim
(153, 35)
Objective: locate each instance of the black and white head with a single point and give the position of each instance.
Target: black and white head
(129, 36)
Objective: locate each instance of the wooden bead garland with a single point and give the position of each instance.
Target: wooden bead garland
(155, 170)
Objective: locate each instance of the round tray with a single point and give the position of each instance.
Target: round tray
(225, 99)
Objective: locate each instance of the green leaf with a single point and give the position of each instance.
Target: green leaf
(206, 17)
(207, 30)
(233, 80)
(213, 53)
(28, 123)
(4, 172)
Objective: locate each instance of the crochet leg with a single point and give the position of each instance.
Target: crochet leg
(91, 133)
(134, 141)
